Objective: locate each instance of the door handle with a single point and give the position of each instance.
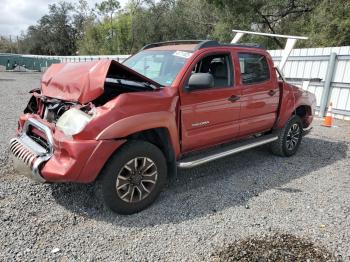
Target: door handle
(272, 92)
(233, 98)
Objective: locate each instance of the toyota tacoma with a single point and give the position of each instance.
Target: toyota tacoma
(172, 105)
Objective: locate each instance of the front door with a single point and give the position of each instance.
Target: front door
(210, 116)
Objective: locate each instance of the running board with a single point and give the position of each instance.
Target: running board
(221, 152)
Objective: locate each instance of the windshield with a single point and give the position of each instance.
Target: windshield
(160, 66)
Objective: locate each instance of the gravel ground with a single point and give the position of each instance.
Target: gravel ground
(253, 197)
(277, 247)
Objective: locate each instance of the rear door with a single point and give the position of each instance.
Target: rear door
(260, 93)
(210, 116)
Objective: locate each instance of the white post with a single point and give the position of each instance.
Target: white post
(291, 40)
(305, 84)
(286, 52)
(237, 37)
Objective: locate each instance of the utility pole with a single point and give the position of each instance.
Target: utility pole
(17, 39)
(10, 45)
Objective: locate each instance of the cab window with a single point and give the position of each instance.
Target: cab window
(219, 66)
(254, 68)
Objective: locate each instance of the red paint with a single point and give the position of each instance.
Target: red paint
(258, 108)
(80, 158)
(81, 82)
(293, 97)
(75, 160)
(208, 105)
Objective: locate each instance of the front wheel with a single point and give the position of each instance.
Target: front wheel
(133, 177)
(289, 138)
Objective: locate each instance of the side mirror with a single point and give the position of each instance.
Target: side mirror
(200, 81)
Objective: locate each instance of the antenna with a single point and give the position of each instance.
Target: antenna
(291, 40)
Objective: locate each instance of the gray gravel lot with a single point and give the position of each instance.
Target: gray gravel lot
(201, 212)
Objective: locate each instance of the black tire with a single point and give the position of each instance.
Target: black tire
(118, 168)
(282, 147)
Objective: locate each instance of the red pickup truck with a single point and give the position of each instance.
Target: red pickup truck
(172, 105)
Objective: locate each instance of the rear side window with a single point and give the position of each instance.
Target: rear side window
(254, 68)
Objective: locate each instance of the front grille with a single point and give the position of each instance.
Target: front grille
(39, 137)
(22, 152)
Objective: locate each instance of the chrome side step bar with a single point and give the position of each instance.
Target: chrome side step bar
(307, 130)
(225, 151)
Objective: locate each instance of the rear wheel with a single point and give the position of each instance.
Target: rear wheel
(133, 177)
(289, 138)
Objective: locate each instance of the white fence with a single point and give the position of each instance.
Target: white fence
(330, 70)
(76, 59)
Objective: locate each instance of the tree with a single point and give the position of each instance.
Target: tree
(83, 18)
(107, 9)
(111, 30)
(55, 33)
(329, 24)
(164, 20)
(7, 46)
(273, 16)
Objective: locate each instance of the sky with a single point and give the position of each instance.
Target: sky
(17, 15)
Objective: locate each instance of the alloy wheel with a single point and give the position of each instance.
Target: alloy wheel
(136, 179)
(293, 136)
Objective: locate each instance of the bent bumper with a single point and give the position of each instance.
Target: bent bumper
(28, 154)
(65, 159)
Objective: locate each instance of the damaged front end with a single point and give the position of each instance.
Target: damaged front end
(46, 122)
(29, 153)
(47, 147)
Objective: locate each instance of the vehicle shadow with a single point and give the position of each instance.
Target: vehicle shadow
(213, 187)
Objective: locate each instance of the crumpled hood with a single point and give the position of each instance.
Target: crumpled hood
(82, 82)
(78, 82)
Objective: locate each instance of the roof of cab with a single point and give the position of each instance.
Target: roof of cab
(193, 45)
(184, 47)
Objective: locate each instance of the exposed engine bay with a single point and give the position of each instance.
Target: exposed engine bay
(117, 80)
(51, 109)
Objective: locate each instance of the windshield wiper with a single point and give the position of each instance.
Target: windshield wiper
(146, 84)
(128, 82)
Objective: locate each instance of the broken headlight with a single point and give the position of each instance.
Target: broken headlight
(73, 121)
